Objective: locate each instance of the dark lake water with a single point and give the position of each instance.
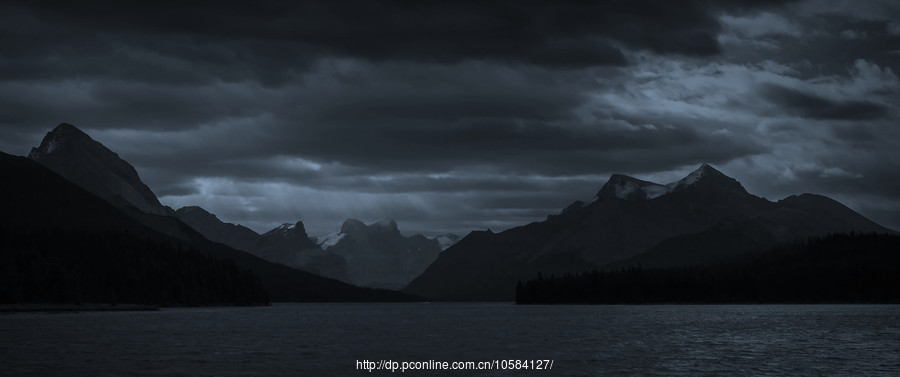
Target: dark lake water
(329, 339)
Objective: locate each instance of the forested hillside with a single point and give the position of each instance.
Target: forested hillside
(78, 267)
(845, 268)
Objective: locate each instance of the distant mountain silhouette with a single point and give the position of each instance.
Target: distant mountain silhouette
(378, 255)
(374, 255)
(287, 244)
(706, 217)
(73, 154)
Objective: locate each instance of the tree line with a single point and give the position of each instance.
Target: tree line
(71, 267)
(837, 268)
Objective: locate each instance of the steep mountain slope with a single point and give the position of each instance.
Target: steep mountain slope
(236, 236)
(795, 217)
(378, 255)
(34, 197)
(729, 240)
(84, 161)
(701, 218)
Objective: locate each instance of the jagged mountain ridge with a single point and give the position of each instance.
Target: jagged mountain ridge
(378, 255)
(287, 244)
(678, 221)
(291, 245)
(629, 188)
(80, 159)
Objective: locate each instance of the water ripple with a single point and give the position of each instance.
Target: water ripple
(327, 339)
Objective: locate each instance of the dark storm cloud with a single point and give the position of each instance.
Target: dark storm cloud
(104, 104)
(178, 47)
(497, 103)
(855, 178)
(492, 147)
(858, 134)
(819, 37)
(511, 145)
(167, 61)
(271, 41)
(809, 105)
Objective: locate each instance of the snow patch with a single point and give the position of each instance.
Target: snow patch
(330, 239)
(693, 177)
(446, 241)
(51, 146)
(650, 190)
(622, 191)
(284, 228)
(655, 190)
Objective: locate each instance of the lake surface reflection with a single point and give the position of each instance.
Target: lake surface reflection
(329, 339)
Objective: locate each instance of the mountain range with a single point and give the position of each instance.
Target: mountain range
(703, 219)
(287, 244)
(91, 189)
(361, 255)
(374, 255)
(706, 217)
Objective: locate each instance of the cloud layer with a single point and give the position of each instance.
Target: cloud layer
(466, 116)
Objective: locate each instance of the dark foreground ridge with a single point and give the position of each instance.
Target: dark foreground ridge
(62, 244)
(841, 268)
(76, 267)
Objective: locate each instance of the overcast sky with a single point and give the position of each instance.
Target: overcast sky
(452, 118)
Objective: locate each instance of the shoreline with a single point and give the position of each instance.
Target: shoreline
(74, 308)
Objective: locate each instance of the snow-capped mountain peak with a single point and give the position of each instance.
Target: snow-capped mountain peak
(696, 175)
(625, 187)
(286, 226)
(289, 230)
(629, 188)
